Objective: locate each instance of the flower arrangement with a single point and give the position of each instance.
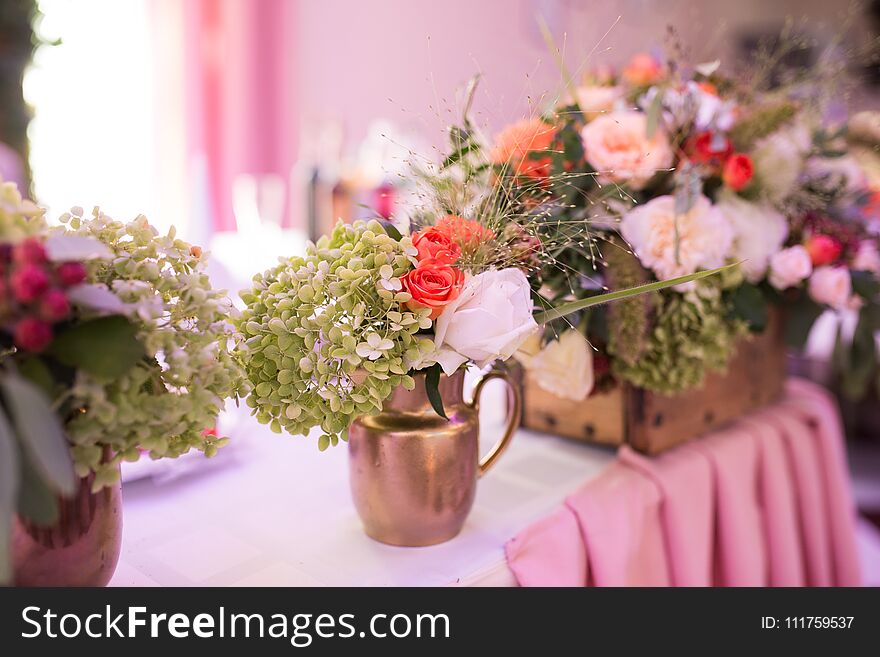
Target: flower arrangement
(113, 345)
(329, 335)
(669, 169)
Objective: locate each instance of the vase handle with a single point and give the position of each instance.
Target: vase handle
(512, 420)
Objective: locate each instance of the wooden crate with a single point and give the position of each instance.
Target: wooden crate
(651, 423)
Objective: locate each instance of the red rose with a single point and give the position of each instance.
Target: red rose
(32, 334)
(738, 171)
(436, 244)
(708, 148)
(823, 249)
(432, 284)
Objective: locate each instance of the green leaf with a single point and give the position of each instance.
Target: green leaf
(865, 284)
(37, 372)
(392, 231)
(40, 432)
(750, 305)
(800, 319)
(432, 387)
(652, 119)
(575, 306)
(8, 493)
(860, 360)
(106, 347)
(36, 501)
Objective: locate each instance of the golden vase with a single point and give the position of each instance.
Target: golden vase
(413, 473)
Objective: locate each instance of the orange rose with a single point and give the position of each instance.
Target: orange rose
(432, 243)
(433, 284)
(519, 146)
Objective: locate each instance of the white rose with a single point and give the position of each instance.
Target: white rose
(779, 160)
(489, 320)
(564, 367)
(704, 237)
(867, 258)
(831, 286)
(758, 232)
(789, 267)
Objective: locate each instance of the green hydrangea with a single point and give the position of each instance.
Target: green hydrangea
(328, 336)
(692, 334)
(19, 217)
(164, 403)
(629, 320)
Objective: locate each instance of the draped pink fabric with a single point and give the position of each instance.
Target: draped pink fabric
(765, 502)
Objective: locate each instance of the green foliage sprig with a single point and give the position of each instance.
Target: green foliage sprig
(328, 336)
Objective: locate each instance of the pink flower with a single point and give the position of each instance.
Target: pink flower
(789, 267)
(831, 286)
(32, 334)
(823, 249)
(867, 257)
(617, 146)
(70, 273)
(28, 282)
(54, 306)
(643, 70)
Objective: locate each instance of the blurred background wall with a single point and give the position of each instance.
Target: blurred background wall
(222, 114)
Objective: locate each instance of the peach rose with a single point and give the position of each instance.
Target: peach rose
(437, 244)
(518, 147)
(617, 146)
(595, 100)
(831, 286)
(643, 70)
(705, 238)
(433, 284)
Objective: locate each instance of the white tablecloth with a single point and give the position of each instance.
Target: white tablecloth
(272, 510)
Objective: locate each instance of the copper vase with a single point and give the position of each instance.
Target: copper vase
(80, 549)
(413, 473)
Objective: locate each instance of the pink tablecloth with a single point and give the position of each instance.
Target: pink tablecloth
(765, 502)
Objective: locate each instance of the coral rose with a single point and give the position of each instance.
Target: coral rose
(433, 284)
(464, 232)
(519, 146)
(617, 146)
(432, 243)
(643, 70)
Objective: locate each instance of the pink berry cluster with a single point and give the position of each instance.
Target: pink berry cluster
(33, 292)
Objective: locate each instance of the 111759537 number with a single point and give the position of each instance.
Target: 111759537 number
(807, 622)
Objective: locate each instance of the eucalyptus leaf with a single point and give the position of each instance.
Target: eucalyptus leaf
(40, 432)
(36, 501)
(799, 321)
(432, 387)
(106, 347)
(8, 493)
(575, 306)
(655, 109)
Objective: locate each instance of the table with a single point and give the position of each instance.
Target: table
(272, 510)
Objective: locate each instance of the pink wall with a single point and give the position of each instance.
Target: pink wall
(405, 59)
